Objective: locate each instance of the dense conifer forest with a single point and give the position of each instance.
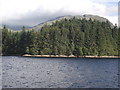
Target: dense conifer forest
(78, 37)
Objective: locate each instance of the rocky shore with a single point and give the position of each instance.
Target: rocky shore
(72, 56)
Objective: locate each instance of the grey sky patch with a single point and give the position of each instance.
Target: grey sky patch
(39, 11)
(36, 17)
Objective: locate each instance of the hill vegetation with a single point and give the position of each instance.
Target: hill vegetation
(74, 36)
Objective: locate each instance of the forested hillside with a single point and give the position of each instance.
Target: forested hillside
(77, 37)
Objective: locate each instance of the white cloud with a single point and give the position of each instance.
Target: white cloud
(113, 19)
(12, 10)
(103, 1)
(112, 10)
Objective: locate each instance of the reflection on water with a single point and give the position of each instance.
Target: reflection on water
(21, 72)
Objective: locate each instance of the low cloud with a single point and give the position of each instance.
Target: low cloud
(33, 12)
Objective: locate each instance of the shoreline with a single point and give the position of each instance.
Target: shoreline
(71, 56)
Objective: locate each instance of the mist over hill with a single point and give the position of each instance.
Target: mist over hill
(14, 27)
(51, 21)
(86, 16)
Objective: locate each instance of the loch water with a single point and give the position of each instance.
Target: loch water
(27, 72)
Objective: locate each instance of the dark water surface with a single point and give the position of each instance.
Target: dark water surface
(23, 72)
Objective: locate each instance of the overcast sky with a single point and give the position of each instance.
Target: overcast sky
(33, 12)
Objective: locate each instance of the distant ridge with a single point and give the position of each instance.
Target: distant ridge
(51, 21)
(86, 16)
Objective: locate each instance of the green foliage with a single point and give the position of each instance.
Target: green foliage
(66, 37)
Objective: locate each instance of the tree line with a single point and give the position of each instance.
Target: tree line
(74, 36)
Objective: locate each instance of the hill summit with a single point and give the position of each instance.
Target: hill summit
(68, 17)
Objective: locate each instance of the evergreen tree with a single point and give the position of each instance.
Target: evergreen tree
(79, 37)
